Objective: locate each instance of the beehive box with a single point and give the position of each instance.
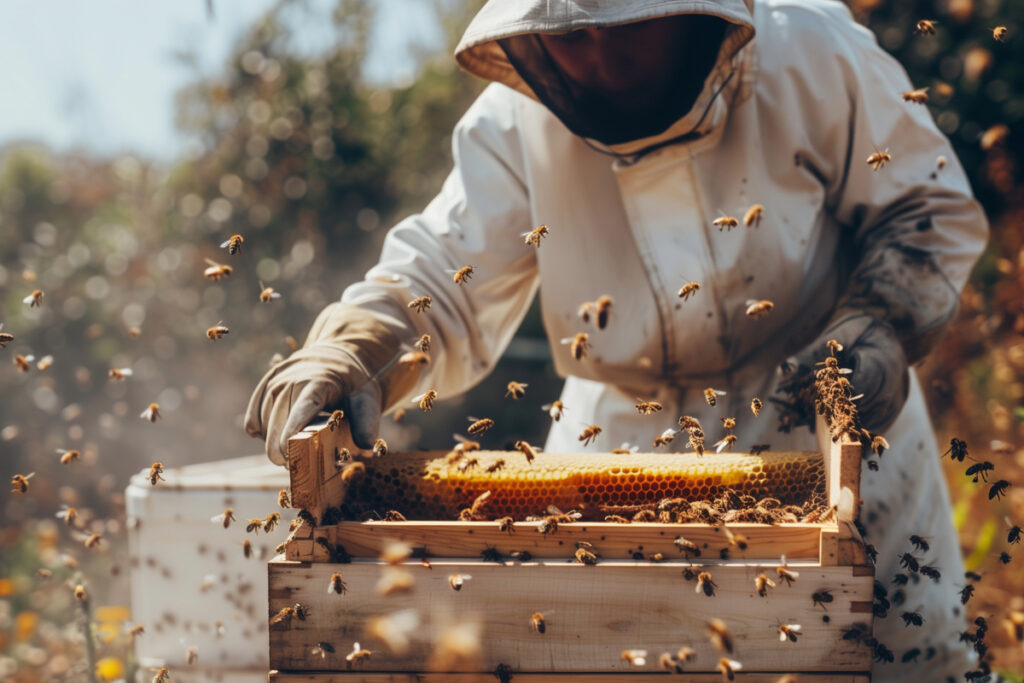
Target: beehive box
(592, 612)
(188, 573)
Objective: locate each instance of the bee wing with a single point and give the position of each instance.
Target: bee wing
(224, 244)
(566, 340)
(472, 419)
(275, 295)
(419, 398)
(212, 263)
(145, 414)
(30, 358)
(28, 299)
(782, 636)
(794, 627)
(547, 406)
(127, 372)
(720, 445)
(752, 302)
(218, 519)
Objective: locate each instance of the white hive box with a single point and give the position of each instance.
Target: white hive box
(191, 584)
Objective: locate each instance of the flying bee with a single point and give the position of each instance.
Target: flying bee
(999, 34)
(554, 410)
(233, 244)
(247, 549)
(35, 299)
(151, 413)
(456, 581)
(44, 363)
(161, 675)
(786, 574)
(738, 540)
(919, 96)
(579, 344)
(634, 657)
(19, 482)
(589, 434)
(668, 663)
(462, 275)
(879, 445)
(908, 561)
(323, 649)
(940, 162)
(705, 584)
(688, 290)
(68, 457)
(23, 363)
(912, 619)
(225, 518)
(216, 271)
(920, 543)
(217, 331)
(268, 294)
(647, 407)
(5, 337)
(789, 632)
(666, 437)
(155, 470)
(625, 449)
(957, 449)
(272, 520)
(526, 449)
(993, 136)
(966, 593)
(752, 218)
(336, 585)
(284, 499)
(998, 489)
(380, 448)
(1015, 625)
(479, 425)
(931, 572)
(420, 304)
(879, 158)
(118, 374)
(726, 442)
(68, 514)
(720, 635)
(80, 593)
(725, 222)
(533, 237)
(762, 583)
(711, 396)
(728, 668)
(696, 440)
(537, 623)
(426, 400)
(756, 405)
(925, 27)
(136, 631)
(980, 469)
(423, 343)
(464, 446)
(358, 655)
(822, 597)
(515, 390)
(254, 525)
(759, 309)
(1013, 536)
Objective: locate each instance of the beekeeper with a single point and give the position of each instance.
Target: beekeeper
(628, 128)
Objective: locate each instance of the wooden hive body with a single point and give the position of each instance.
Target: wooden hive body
(592, 612)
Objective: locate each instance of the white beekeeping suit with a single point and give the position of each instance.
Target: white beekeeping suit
(797, 99)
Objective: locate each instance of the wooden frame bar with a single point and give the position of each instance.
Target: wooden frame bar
(397, 677)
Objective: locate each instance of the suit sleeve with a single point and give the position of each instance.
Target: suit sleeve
(476, 220)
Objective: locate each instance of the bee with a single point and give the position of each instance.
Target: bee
(720, 635)
(35, 299)
(940, 162)
(420, 304)
(151, 413)
(272, 520)
(495, 466)
(696, 440)
(711, 396)
(600, 309)
(667, 663)
(912, 619)
(584, 554)
(931, 572)
(246, 549)
(728, 668)
(688, 290)
(966, 593)
(473, 511)
(506, 524)
(358, 655)
(479, 425)
(467, 463)
(91, 541)
(759, 448)
(725, 222)
(879, 445)
(554, 410)
(254, 525)
(634, 657)
(118, 374)
(225, 518)
(878, 159)
(998, 489)
(267, 294)
(786, 574)
(533, 237)
(44, 363)
(463, 446)
(290, 342)
(216, 271)
(759, 309)
(578, 345)
(323, 649)
(284, 499)
(217, 331)
(920, 543)
(462, 275)
(68, 457)
(686, 546)
(134, 332)
(647, 407)
(705, 584)
(515, 390)
(1015, 625)
(80, 593)
(822, 597)
(762, 583)
(5, 337)
(999, 34)
(136, 631)
(908, 561)
(162, 674)
(738, 540)
(665, 438)
(980, 469)
(23, 363)
(423, 343)
(353, 472)
(380, 448)
(526, 449)
(789, 632)
(919, 96)
(727, 441)
(925, 27)
(1013, 536)
(155, 470)
(456, 581)
(957, 449)
(426, 400)
(233, 244)
(538, 624)
(68, 514)
(399, 415)
(589, 434)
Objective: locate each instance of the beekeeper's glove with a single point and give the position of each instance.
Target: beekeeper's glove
(872, 351)
(351, 360)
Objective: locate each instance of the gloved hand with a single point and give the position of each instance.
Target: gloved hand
(351, 360)
(872, 351)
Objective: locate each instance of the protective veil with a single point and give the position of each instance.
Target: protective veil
(785, 120)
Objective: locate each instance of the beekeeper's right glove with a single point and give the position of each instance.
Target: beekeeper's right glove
(351, 360)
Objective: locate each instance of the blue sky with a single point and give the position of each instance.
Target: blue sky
(100, 76)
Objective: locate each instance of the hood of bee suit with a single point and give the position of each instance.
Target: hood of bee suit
(502, 44)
